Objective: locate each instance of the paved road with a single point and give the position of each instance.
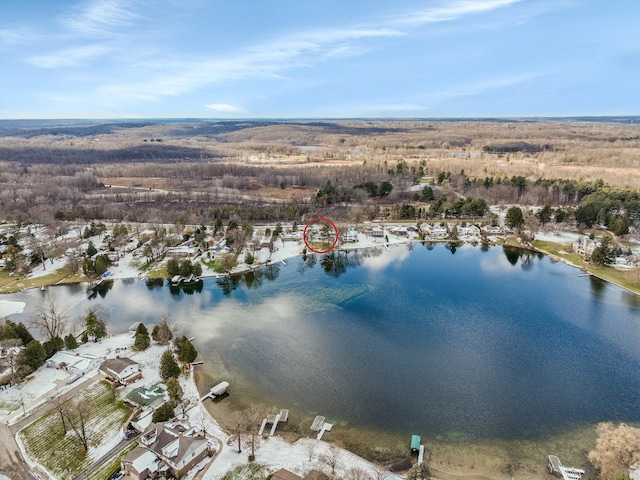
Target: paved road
(11, 462)
(105, 458)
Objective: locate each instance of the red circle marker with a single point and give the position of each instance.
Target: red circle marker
(316, 220)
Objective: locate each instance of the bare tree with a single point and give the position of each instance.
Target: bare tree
(380, 473)
(50, 319)
(311, 448)
(331, 457)
(357, 473)
(77, 416)
(60, 407)
(252, 417)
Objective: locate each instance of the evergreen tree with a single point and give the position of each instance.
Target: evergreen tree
(168, 366)
(174, 390)
(70, 342)
(95, 327)
(185, 350)
(515, 217)
(33, 355)
(142, 340)
(84, 338)
(163, 413)
(53, 345)
(23, 333)
(91, 250)
(605, 253)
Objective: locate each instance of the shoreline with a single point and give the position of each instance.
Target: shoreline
(244, 268)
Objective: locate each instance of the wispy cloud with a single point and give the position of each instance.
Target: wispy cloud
(448, 12)
(100, 17)
(70, 56)
(16, 36)
(224, 107)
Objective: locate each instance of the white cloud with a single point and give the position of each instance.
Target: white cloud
(70, 56)
(100, 17)
(16, 36)
(224, 107)
(451, 11)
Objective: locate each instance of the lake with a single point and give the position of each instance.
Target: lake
(427, 339)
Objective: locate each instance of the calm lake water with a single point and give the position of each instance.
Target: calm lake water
(482, 344)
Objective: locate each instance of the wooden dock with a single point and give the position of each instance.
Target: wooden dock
(317, 424)
(274, 419)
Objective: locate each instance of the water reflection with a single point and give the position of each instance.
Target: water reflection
(154, 283)
(487, 356)
(101, 289)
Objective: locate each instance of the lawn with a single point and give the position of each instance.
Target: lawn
(63, 454)
(606, 273)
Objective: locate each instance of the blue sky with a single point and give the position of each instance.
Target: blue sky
(318, 58)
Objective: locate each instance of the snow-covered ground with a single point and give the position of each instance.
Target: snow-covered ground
(273, 452)
(560, 237)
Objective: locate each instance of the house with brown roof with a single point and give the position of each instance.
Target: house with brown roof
(122, 370)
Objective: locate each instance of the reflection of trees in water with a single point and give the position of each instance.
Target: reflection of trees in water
(307, 262)
(188, 288)
(252, 278)
(453, 247)
(154, 283)
(101, 289)
(336, 262)
(597, 286)
(429, 245)
(526, 257)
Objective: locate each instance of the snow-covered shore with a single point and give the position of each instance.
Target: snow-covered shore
(272, 452)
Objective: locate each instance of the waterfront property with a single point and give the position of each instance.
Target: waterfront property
(174, 447)
(121, 370)
(78, 363)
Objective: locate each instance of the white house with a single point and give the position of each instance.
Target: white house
(79, 363)
(434, 231)
(584, 246)
(121, 369)
(469, 231)
(350, 236)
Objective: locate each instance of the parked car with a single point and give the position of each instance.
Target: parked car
(72, 378)
(130, 434)
(117, 475)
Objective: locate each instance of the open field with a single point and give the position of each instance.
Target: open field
(63, 454)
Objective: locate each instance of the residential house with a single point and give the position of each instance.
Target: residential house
(166, 447)
(377, 232)
(584, 246)
(78, 363)
(291, 237)
(351, 235)
(122, 370)
(284, 474)
(469, 231)
(434, 231)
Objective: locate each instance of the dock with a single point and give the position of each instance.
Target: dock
(421, 455)
(217, 391)
(567, 473)
(274, 419)
(319, 425)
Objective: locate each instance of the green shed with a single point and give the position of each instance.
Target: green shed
(415, 443)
